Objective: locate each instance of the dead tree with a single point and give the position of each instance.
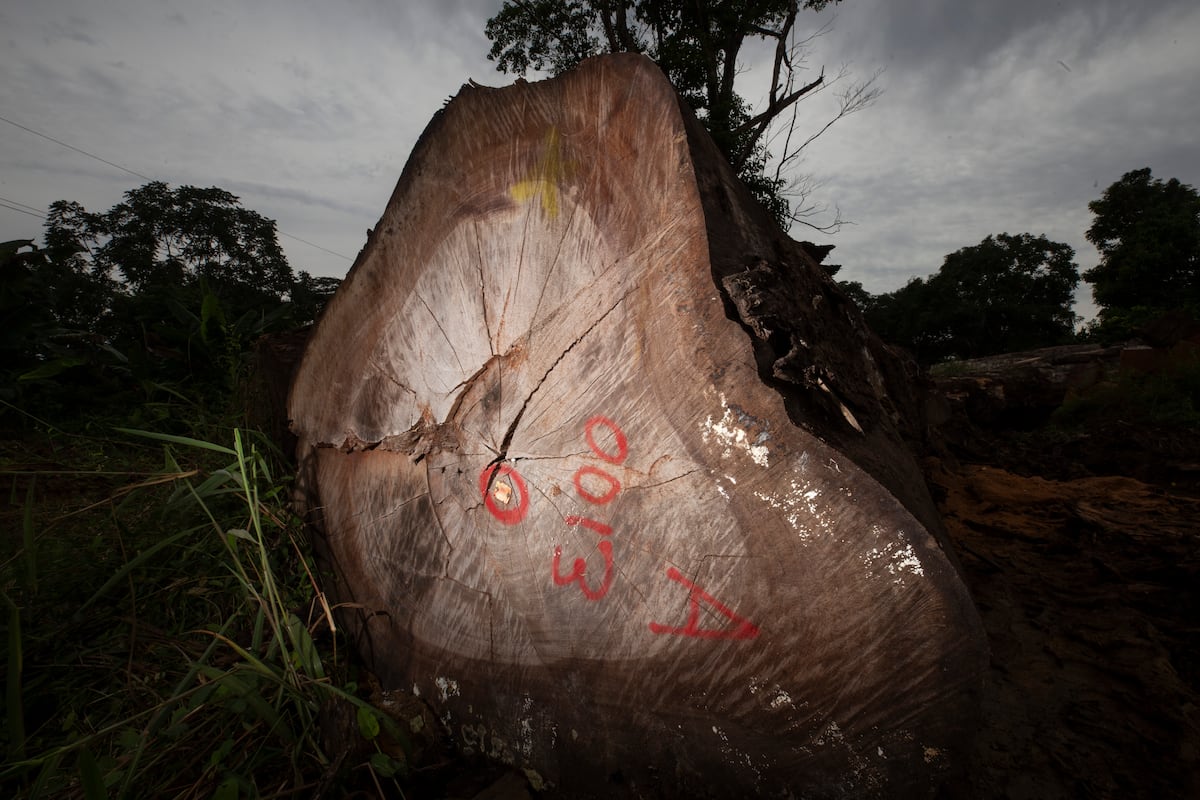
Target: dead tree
(610, 473)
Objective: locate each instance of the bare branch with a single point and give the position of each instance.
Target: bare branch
(762, 122)
(781, 53)
(854, 99)
(799, 191)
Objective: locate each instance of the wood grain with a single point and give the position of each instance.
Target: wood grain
(614, 476)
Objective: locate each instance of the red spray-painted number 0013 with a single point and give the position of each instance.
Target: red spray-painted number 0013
(616, 454)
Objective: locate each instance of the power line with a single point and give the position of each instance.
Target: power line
(22, 205)
(76, 149)
(4, 204)
(134, 173)
(310, 244)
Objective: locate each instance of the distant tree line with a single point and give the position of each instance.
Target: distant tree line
(161, 295)
(164, 293)
(1148, 234)
(1016, 292)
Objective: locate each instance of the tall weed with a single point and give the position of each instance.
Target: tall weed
(169, 639)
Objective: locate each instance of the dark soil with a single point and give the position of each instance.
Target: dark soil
(1082, 550)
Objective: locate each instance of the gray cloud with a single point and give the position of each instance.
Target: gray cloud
(983, 131)
(309, 111)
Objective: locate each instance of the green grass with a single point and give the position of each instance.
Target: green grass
(164, 632)
(951, 368)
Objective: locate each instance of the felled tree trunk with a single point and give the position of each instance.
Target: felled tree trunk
(612, 475)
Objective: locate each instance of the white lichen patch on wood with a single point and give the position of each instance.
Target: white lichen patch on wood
(447, 686)
(734, 437)
(526, 726)
(479, 738)
(800, 508)
(780, 700)
(896, 557)
(723, 489)
(775, 696)
(733, 756)
(830, 735)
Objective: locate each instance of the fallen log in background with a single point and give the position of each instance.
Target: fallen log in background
(615, 478)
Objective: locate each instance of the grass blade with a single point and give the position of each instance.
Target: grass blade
(185, 441)
(14, 721)
(90, 777)
(30, 541)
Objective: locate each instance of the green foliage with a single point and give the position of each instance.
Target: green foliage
(1148, 234)
(1006, 294)
(159, 235)
(164, 632)
(545, 35)
(1167, 399)
(697, 45)
(170, 643)
(54, 333)
(160, 296)
(856, 292)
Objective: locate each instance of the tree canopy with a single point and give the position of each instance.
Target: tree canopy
(159, 235)
(167, 286)
(1005, 294)
(697, 44)
(1148, 233)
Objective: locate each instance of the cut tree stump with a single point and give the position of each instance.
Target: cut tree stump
(610, 474)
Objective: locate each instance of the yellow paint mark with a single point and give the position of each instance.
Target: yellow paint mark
(543, 182)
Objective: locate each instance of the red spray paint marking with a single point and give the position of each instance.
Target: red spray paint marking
(744, 629)
(618, 435)
(509, 516)
(591, 524)
(741, 628)
(605, 548)
(580, 567)
(614, 485)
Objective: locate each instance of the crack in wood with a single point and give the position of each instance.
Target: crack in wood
(760, 299)
(388, 375)
(643, 486)
(433, 512)
(512, 428)
(442, 330)
(516, 286)
(487, 326)
(563, 457)
(466, 389)
(423, 438)
(550, 500)
(553, 264)
(399, 507)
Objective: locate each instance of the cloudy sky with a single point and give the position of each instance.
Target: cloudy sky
(996, 117)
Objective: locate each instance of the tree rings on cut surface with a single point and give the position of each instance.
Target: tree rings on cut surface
(605, 515)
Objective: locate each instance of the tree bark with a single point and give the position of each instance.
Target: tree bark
(612, 475)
